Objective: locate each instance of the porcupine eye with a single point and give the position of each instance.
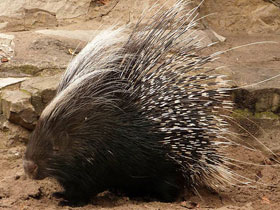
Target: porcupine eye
(55, 149)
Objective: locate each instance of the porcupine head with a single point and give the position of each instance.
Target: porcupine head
(127, 115)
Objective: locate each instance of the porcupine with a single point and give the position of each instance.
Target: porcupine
(132, 115)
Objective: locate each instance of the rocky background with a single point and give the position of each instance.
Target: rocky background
(38, 38)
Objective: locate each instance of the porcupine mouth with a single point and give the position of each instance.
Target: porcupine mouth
(31, 170)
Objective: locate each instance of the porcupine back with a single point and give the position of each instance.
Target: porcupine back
(122, 100)
(172, 90)
(181, 97)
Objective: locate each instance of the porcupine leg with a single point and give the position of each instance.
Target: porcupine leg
(70, 200)
(164, 182)
(73, 195)
(164, 192)
(168, 189)
(165, 189)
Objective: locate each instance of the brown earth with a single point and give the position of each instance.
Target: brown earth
(18, 192)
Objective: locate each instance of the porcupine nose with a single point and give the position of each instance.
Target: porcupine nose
(30, 168)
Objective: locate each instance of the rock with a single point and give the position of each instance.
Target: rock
(35, 18)
(22, 14)
(275, 2)
(254, 16)
(4, 82)
(218, 36)
(3, 25)
(1, 110)
(265, 101)
(17, 108)
(24, 105)
(7, 46)
(14, 153)
(268, 101)
(42, 90)
(275, 102)
(84, 35)
(15, 134)
(48, 42)
(52, 53)
(266, 18)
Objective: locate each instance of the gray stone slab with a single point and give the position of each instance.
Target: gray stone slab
(4, 82)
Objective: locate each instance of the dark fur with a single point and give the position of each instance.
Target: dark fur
(131, 119)
(126, 155)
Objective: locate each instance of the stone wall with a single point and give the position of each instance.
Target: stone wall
(242, 16)
(249, 16)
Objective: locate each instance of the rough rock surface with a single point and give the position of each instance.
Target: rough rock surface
(26, 14)
(24, 105)
(17, 108)
(4, 82)
(41, 89)
(14, 134)
(7, 46)
(18, 15)
(249, 16)
(51, 53)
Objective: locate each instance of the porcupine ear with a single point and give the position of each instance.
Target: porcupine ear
(172, 83)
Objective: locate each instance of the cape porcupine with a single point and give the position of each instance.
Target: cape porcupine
(136, 117)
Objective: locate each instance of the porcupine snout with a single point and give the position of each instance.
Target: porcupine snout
(31, 169)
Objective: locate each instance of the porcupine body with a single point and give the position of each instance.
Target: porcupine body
(131, 115)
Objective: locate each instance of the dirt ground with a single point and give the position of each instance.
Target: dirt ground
(19, 192)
